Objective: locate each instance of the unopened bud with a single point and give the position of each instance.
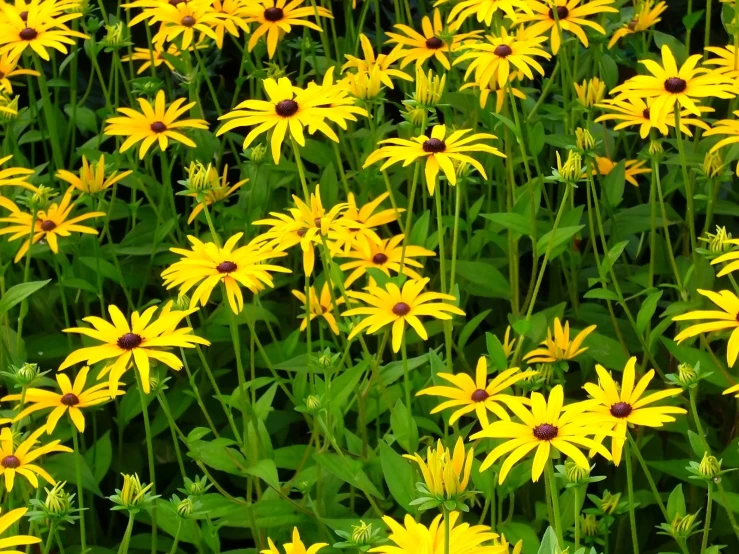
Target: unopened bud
(709, 467)
(584, 139)
(609, 502)
(574, 472)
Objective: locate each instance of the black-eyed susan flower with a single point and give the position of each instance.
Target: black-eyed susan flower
(92, 178)
(590, 91)
(617, 407)
(9, 68)
(558, 346)
(646, 14)
(720, 242)
(501, 93)
(632, 168)
(154, 123)
(49, 224)
(6, 522)
(385, 256)
(145, 339)
(380, 64)
(146, 56)
(565, 15)
(320, 306)
(206, 265)
(71, 399)
(499, 56)
(396, 306)
(546, 427)
(446, 473)
(717, 320)
(367, 218)
(669, 85)
(727, 61)
(19, 460)
(634, 111)
(728, 127)
(275, 18)
(439, 152)
(292, 109)
(216, 189)
(295, 547)
(479, 396)
(181, 21)
(483, 10)
(15, 176)
(437, 41)
(233, 14)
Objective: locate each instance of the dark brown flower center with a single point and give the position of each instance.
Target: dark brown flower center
(502, 51)
(158, 127)
(175, 2)
(545, 432)
(226, 267)
(434, 145)
(317, 222)
(379, 258)
(129, 341)
(301, 232)
(621, 410)
(273, 14)
(562, 12)
(401, 309)
(188, 21)
(10, 462)
(675, 85)
(23, 15)
(479, 395)
(632, 24)
(434, 43)
(70, 399)
(645, 113)
(28, 34)
(286, 108)
(48, 225)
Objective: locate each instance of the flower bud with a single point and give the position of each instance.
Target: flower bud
(41, 197)
(415, 115)
(712, 164)
(114, 34)
(58, 502)
(429, 88)
(313, 403)
(589, 525)
(709, 467)
(8, 108)
(590, 92)
(362, 533)
(681, 526)
(257, 153)
(201, 177)
(574, 472)
(717, 242)
(133, 493)
(197, 486)
(28, 373)
(571, 170)
(686, 374)
(655, 148)
(186, 507)
(584, 139)
(609, 502)
(182, 303)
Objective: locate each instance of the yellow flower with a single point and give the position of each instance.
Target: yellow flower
(144, 340)
(207, 265)
(726, 62)
(319, 307)
(154, 123)
(438, 152)
(479, 396)
(559, 347)
(446, 474)
(435, 42)
(385, 256)
(364, 85)
(646, 15)
(293, 108)
(501, 93)
(396, 306)
(146, 55)
(134, 492)
(545, 427)
(6, 522)
(377, 65)
(565, 15)
(8, 69)
(49, 224)
(632, 168)
(484, 10)
(15, 177)
(729, 127)
(19, 460)
(218, 191)
(429, 88)
(617, 409)
(71, 399)
(572, 170)
(180, 22)
(365, 219)
(726, 318)
(712, 167)
(233, 17)
(276, 17)
(634, 111)
(91, 179)
(670, 85)
(508, 344)
(297, 546)
(590, 92)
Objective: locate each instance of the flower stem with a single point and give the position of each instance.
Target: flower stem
(686, 179)
(630, 485)
(52, 532)
(123, 548)
(576, 492)
(150, 455)
(176, 537)
(707, 524)
(80, 490)
(648, 475)
(447, 526)
(409, 214)
(553, 492)
(407, 387)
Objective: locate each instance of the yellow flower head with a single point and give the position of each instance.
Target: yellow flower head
(92, 176)
(376, 65)
(633, 111)
(446, 474)
(322, 306)
(6, 522)
(365, 219)
(429, 88)
(559, 347)
(134, 492)
(9, 68)
(719, 242)
(295, 547)
(484, 10)
(632, 168)
(364, 84)
(19, 460)
(216, 190)
(646, 15)
(590, 92)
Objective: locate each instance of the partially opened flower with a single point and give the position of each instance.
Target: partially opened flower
(632, 168)
(15, 176)
(19, 460)
(6, 522)
(367, 217)
(320, 306)
(379, 64)
(728, 127)
(295, 547)
(446, 473)
(727, 61)
(92, 177)
(479, 396)
(633, 111)
(558, 346)
(216, 188)
(646, 15)
(9, 68)
(590, 92)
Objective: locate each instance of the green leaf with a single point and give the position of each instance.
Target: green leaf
(345, 384)
(400, 421)
(349, 471)
(614, 182)
(100, 456)
(15, 294)
(688, 355)
(470, 328)
(483, 279)
(602, 294)
(562, 235)
(420, 231)
(218, 455)
(169, 522)
(62, 467)
(515, 531)
(676, 47)
(610, 70)
(496, 351)
(676, 503)
(513, 221)
(648, 307)
(549, 543)
(398, 474)
(690, 20)
(536, 139)
(266, 470)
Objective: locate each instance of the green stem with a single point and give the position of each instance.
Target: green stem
(447, 526)
(648, 475)
(407, 388)
(123, 548)
(236, 341)
(630, 485)
(80, 490)
(709, 507)
(176, 537)
(150, 456)
(688, 185)
(576, 491)
(56, 141)
(409, 214)
(553, 491)
(50, 538)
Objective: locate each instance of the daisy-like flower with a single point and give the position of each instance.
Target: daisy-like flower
(39, 28)
(725, 318)
(380, 64)
(292, 108)
(295, 547)
(153, 123)
(670, 85)
(233, 17)
(15, 176)
(729, 127)
(146, 55)
(501, 93)
(19, 460)
(616, 409)
(446, 474)
(9, 68)
(143, 340)
(632, 168)
(276, 18)
(217, 188)
(181, 21)
(414, 537)
(322, 306)
(479, 396)
(565, 15)
(396, 306)
(484, 10)
(499, 56)
(366, 219)
(49, 224)
(92, 176)
(385, 256)
(71, 399)
(545, 427)
(6, 522)
(590, 91)
(646, 15)
(435, 42)
(207, 265)
(633, 111)
(438, 151)
(559, 347)
(727, 61)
